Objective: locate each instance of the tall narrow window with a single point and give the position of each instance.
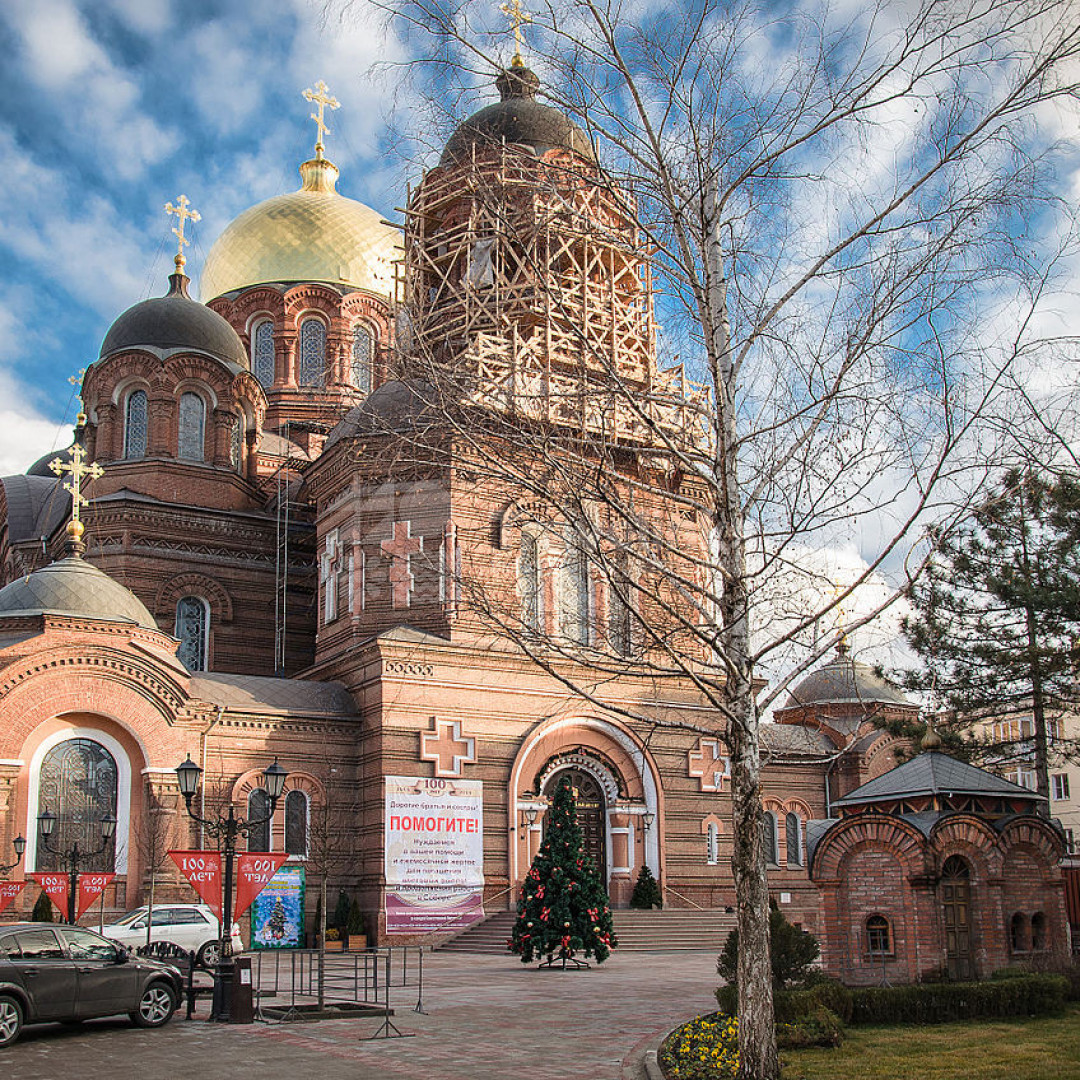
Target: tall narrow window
(312, 353)
(1019, 932)
(878, 936)
(619, 611)
(78, 782)
(262, 352)
(258, 807)
(236, 443)
(769, 838)
(713, 839)
(792, 833)
(192, 626)
(191, 441)
(576, 598)
(529, 579)
(1038, 931)
(296, 823)
(363, 355)
(135, 425)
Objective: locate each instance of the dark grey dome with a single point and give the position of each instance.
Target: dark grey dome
(73, 586)
(518, 118)
(394, 406)
(41, 466)
(845, 681)
(175, 321)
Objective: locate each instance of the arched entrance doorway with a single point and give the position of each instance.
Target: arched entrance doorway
(956, 911)
(591, 808)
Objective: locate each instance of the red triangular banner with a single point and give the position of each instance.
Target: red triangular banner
(203, 870)
(55, 887)
(8, 891)
(253, 873)
(91, 886)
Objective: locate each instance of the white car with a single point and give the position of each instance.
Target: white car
(191, 926)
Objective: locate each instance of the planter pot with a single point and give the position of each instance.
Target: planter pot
(357, 942)
(335, 946)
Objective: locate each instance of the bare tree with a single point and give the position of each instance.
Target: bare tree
(853, 221)
(152, 840)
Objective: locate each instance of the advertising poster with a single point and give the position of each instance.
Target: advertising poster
(277, 913)
(434, 854)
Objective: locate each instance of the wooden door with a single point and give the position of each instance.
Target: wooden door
(955, 892)
(591, 810)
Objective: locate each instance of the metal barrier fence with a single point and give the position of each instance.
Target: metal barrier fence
(291, 978)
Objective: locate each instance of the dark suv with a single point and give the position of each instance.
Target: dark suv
(69, 973)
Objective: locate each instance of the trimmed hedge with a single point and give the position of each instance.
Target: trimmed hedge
(941, 1003)
(821, 1027)
(794, 1006)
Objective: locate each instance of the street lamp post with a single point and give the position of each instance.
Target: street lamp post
(73, 856)
(226, 829)
(19, 844)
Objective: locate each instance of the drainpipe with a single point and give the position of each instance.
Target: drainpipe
(202, 763)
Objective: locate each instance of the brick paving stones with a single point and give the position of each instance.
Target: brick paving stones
(488, 1018)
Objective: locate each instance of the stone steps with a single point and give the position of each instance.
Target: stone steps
(672, 930)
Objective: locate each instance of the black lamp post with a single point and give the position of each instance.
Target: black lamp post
(73, 857)
(19, 844)
(226, 829)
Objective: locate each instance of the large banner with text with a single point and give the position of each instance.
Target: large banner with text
(434, 854)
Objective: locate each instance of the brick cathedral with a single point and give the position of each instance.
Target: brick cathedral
(271, 569)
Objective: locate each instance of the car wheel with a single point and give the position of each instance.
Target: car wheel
(209, 955)
(156, 1006)
(11, 1020)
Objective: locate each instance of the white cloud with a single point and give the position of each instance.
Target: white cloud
(221, 84)
(143, 16)
(25, 434)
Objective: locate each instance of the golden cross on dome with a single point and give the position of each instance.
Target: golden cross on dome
(76, 380)
(325, 100)
(182, 211)
(518, 17)
(78, 467)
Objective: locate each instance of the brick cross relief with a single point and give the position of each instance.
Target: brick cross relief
(400, 549)
(447, 747)
(708, 765)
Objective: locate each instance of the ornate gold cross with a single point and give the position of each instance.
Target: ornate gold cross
(184, 214)
(325, 100)
(78, 467)
(518, 17)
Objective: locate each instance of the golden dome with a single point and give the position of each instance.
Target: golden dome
(313, 234)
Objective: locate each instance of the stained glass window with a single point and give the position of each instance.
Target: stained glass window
(792, 827)
(296, 823)
(576, 591)
(135, 425)
(258, 807)
(363, 354)
(192, 623)
(530, 581)
(262, 353)
(769, 839)
(191, 444)
(312, 353)
(236, 443)
(77, 783)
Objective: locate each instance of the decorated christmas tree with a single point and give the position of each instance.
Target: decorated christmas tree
(563, 911)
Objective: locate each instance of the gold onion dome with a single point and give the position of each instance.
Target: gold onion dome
(314, 234)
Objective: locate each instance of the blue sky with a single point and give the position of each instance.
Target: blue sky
(113, 107)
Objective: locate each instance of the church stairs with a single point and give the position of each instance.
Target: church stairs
(673, 930)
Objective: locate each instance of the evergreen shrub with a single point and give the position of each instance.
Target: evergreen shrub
(43, 909)
(646, 894)
(354, 925)
(341, 913)
(820, 1027)
(792, 952)
(941, 1003)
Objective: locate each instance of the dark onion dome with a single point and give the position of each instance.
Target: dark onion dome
(175, 321)
(394, 406)
(41, 466)
(844, 681)
(76, 588)
(518, 119)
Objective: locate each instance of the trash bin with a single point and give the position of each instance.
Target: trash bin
(243, 993)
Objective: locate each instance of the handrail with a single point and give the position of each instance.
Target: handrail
(669, 889)
(461, 929)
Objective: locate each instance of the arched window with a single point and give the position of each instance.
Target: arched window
(258, 807)
(1038, 931)
(77, 783)
(191, 440)
(262, 352)
(879, 936)
(236, 443)
(576, 591)
(619, 611)
(713, 843)
(296, 823)
(769, 838)
(1019, 933)
(312, 353)
(135, 424)
(793, 835)
(192, 628)
(363, 357)
(529, 580)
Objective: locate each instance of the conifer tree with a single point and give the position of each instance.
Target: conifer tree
(563, 910)
(646, 894)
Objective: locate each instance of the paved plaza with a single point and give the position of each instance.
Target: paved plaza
(488, 1018)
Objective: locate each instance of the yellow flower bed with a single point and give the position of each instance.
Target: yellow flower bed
(704, 1049)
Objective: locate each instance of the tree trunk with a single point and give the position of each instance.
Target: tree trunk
(322, 945)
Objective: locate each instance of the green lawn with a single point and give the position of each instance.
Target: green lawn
(974, 1050)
